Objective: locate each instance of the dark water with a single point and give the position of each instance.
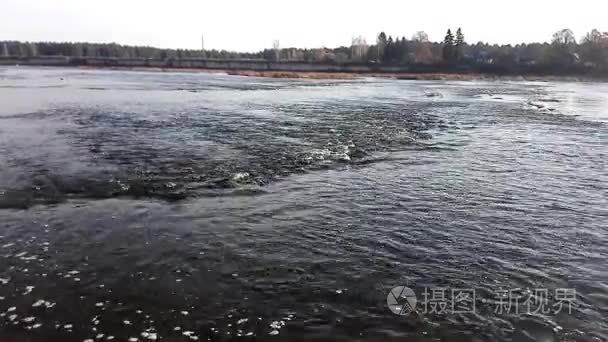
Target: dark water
(133, 204)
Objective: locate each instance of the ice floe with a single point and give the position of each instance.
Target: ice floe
(149, 335)
(28, 290)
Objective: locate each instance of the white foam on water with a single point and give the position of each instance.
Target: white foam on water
(150, 336)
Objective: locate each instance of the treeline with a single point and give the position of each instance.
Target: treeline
(563, 55)
(111, 50)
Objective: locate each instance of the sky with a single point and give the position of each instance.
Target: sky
(250, 25)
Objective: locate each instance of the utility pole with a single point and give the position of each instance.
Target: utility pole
(203, 46)
(277, 50)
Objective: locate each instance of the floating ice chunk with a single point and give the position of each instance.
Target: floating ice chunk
(150, 336)
(242, 320)
(177, 328)
(132, 339)
(99, 336)
(88, 340)
(277, 324)
(12, 317)
(11, 309)
(49, 305)
(339, 291)
(241, 176)
(190, 335)
(274, 332)
(249, 333)
(126, 322)
(4, 281)
(68, 326)
(185, 313)
(110, 338)
(8, 245)
(36, 326)
(29, 319)
(100, 304)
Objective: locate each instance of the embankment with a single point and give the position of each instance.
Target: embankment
(301, 69)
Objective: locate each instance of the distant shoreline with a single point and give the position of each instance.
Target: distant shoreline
(318, 75)
(293, 70)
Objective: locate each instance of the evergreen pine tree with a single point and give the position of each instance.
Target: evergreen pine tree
(458, 51)
(448, 47)
(381, 42)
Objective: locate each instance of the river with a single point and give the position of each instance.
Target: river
(193, 206)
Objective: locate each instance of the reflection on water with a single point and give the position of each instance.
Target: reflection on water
(182, 206)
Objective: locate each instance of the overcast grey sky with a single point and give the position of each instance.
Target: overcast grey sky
(250, 25)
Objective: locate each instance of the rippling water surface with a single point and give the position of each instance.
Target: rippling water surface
(179, 206)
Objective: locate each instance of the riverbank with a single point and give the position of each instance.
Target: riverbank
(427, 76)
(301, 69)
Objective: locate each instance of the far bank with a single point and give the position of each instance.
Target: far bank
(312, 70)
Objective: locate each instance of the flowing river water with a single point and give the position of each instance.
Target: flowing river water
(191, 206)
